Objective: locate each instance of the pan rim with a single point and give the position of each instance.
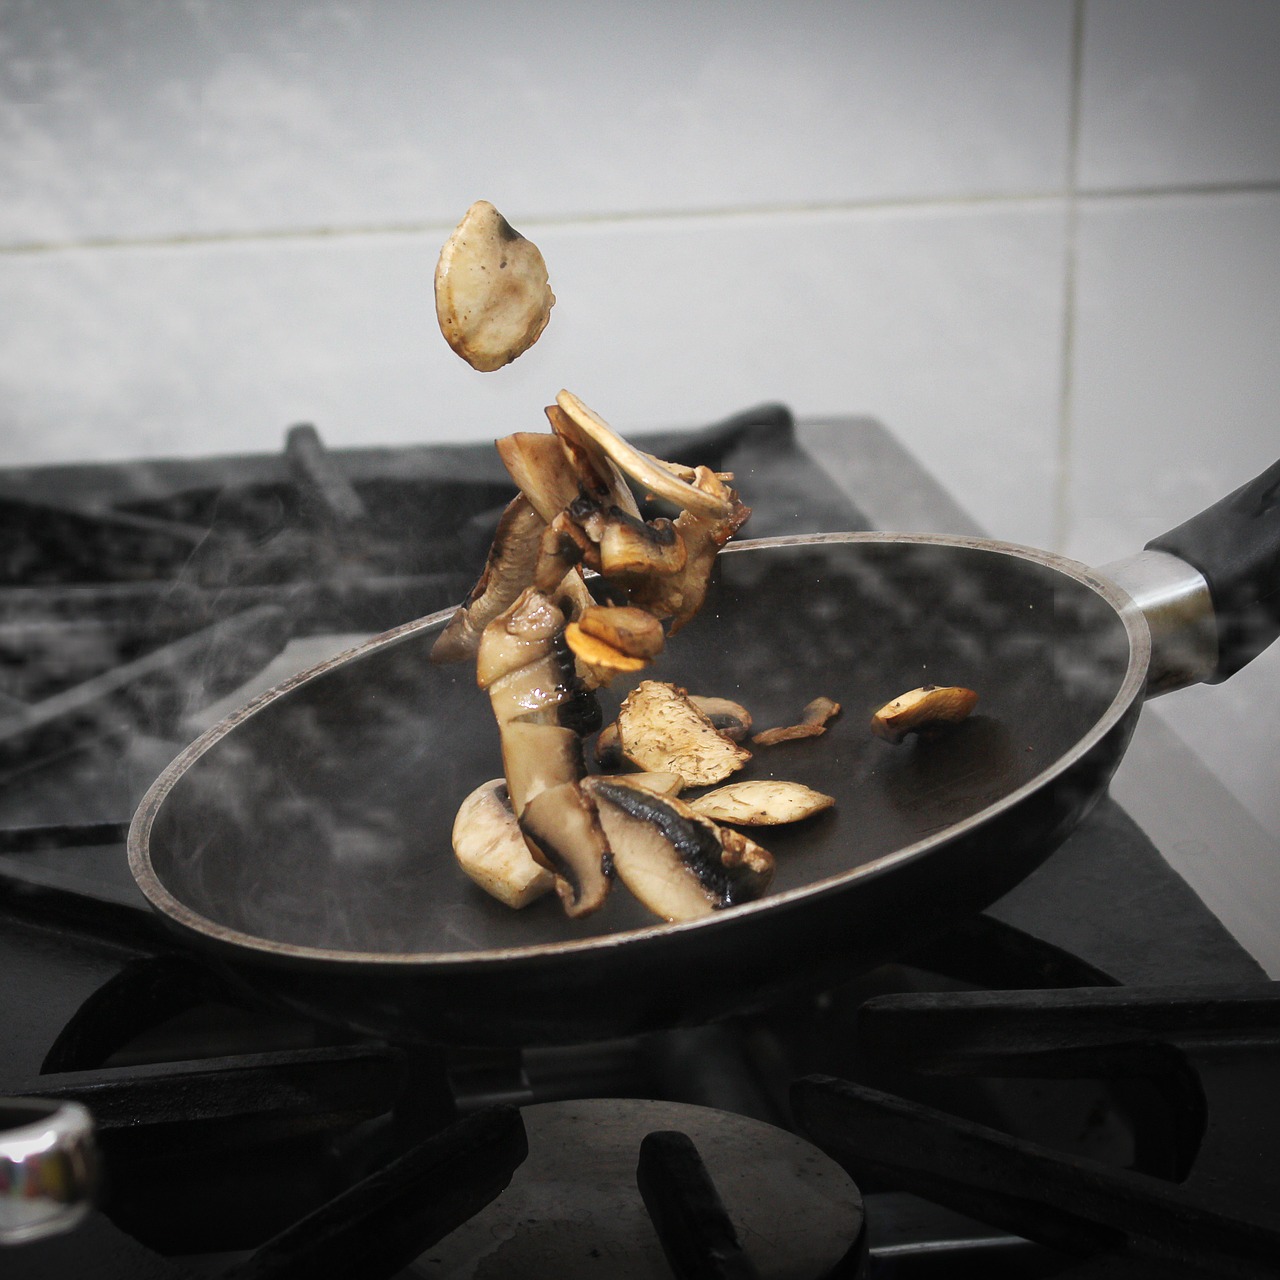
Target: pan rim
(210, 931)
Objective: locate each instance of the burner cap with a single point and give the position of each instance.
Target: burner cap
(573, 1208)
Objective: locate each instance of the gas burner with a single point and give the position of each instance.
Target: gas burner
(577, 1206)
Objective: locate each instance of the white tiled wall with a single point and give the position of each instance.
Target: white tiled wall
(1038, 238)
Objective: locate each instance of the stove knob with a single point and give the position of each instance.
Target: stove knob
(48, 1167)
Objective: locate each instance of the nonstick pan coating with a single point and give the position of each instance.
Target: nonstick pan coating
(307, 838)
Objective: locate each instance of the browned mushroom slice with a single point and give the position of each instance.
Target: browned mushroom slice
(925, 710)
(492, 296)
(563, 547)
(646, 471)
(509, 569)
(679, 596)
(522, 633)
(634, 548)
(663, 784)
(491, 850)
(764, 802)
(600, 479)
(537, 757)
(813, 722)
(602, 661)
(661, 730)
(629, 630)
(566, 837)
(730, 718)
(676, 862)
(541, 470)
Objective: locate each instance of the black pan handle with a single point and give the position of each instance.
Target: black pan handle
(1235, 544)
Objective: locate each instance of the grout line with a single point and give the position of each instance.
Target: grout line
(907, 204)
(1061, 527)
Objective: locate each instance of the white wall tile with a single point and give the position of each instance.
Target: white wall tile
(143, 118)
(1175, 393)
(945, 324)
(1176, 378)
(1179, 92)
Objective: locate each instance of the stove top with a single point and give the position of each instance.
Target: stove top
(143, 601)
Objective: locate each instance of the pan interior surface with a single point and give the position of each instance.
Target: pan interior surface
(322, 820)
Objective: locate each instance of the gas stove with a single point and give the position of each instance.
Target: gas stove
(1072, 1082)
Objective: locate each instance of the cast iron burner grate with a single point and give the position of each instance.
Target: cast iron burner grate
(1203, 1197)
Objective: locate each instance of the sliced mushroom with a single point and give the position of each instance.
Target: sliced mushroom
(528, 670)
(602, 660)
(813, 721)
(629, 630)
(566, 836)
(679, 595)
(764, 802)
(491, 850)
(646, 471)
(562, 547)
(925, 710)
(599, 477)
(523, 633)
(537, 757)
(631, 548)
(509, 569)
(661, 730)
(541, 470)
(663, 784)
(678, 863)
(730, 718)
(492, 296)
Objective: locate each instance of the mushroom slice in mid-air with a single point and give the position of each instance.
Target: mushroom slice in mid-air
(813, 721)
(763, 802)
(509, 569)
(660, 729)
(490, 849)
(677, 863)
(925, 710)
(631, 631)
(492, 296)
(645, 470)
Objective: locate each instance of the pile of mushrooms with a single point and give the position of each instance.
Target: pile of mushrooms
(542, 646)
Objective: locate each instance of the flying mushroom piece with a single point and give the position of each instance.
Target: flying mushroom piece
(509, 569)
(677, 863)
(629, 630)
(762, 802)
(631, 548)
(660, 729)
(680, 594)
(645, 470)
(602, 661)
(813, 722)
(492, 296)
(490, 849)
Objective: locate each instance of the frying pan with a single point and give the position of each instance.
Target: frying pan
(304, 842)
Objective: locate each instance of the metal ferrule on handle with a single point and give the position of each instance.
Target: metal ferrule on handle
(1175, 600)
